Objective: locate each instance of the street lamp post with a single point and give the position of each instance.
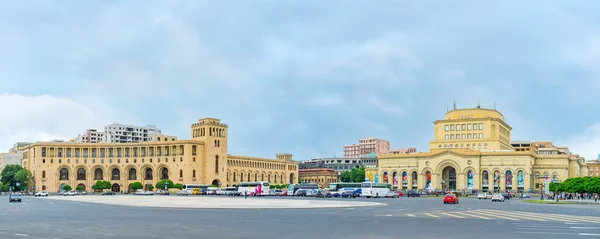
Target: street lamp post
(556, 183)
(167, 187)
(443, 189)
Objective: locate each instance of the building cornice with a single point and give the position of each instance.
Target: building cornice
(104, 144)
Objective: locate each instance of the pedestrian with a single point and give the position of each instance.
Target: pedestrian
(245, 194)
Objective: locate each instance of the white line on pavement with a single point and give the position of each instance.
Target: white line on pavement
(23, 235)
(588, 234)
(586, 228)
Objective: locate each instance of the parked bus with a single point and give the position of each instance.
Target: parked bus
(375, 189)
(341, 187)
(196, 188)
(292, 188)
(254, 188)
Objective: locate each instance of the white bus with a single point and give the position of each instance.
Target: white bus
(375, 189)
(254, 188)
(292, 188)
(341, 187)
(191, 187)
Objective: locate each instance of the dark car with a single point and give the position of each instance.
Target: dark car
(108, 193)
(506, 196)
(412, 193)
(15, 197)
(348, 194)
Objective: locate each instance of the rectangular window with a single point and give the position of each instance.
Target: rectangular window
(463, 136)
(68, 151)
(469, 126)
(151, 151)
(119, 152)
(102, 153)
(451, 127)
(77, 153)
(135, 150)
(144, 152)
(93, 153)
(60, 152)
(127, 152)
(480, 125)
(475, 136)
(468, 136)
(446, 137)
(475, 126)
(451, 136)
(463, 127)
(85, 153)
(159, 151)
(481, 136)
(446, 127)
(111, 152)
(457, 127)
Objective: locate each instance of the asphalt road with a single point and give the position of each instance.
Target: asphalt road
(401, 218)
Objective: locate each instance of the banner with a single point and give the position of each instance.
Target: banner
(521, 179)
(470, 180)
(395, 179)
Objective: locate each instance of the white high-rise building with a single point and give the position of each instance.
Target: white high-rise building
(120, 133)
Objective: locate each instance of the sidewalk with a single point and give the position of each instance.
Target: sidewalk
(584, 201)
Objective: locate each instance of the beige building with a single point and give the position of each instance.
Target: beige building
(321, 176)
(365, 147)
(472, 150)
(593, 167)
(203, 159)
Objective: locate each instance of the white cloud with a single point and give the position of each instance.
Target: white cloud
(46, 117)
(587, 143)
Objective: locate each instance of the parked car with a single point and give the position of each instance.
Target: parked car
(41, 194)
(450, 198)
(70, 193)
(525, 195)
(108, 193)
(283, 193)
(349, 194)
(506, 196)
(14, 197)
(497, 197)
(183, 192)
(392, 194)
(483, 196)
(301, 193)
(412, 193)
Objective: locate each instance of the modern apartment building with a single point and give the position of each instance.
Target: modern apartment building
(120, 133)
(335, 163)
(365, 147)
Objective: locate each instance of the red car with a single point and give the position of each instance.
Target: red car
(450, 198)
(283, 193)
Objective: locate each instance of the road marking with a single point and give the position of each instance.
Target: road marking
(471, 215)
(410, 215)
(586, 228)
(495, 214)
(388, 215)
(448, 214)
(431, 215)
(589, 234)
(23, 235)
(549, 233)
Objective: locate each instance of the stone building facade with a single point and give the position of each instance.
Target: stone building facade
(203, 159)
(472, 150)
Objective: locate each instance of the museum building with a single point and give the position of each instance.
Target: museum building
(472, 150)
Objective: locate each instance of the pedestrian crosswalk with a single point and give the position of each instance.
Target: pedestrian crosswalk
(489, 214)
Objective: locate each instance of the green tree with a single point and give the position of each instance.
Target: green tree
(79, 188)
(150, 187)
(67, 188)
(358, 175)
(178, 186)
(101, 185)
(13, 174)
(345, 177)
(136, 186)
(161, 184)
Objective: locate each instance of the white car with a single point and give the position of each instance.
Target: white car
(41, 194)
(70, 193)
(184, 192)
(498, 197)
(483, 196)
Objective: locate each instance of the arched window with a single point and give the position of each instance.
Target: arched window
(249, 174)
(44, 187)
(164, 173)
(234, 174)
(98, 174)
(485, 146)
(64, 174)
(116, 174)
(181, 173)
(255, 177)
(217, 165)
(281, 178)
(241, 176)
(132, 174)
(193, 173)
(81, 174)
(148, 174)
(262, 177)
(43, 174)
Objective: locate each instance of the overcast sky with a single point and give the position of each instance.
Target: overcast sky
(304, 77)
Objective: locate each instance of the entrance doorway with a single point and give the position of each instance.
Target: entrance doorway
(449, 177)
(115, 188)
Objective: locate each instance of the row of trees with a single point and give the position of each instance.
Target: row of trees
(15, 177)
(356, 175)
(577, 185)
